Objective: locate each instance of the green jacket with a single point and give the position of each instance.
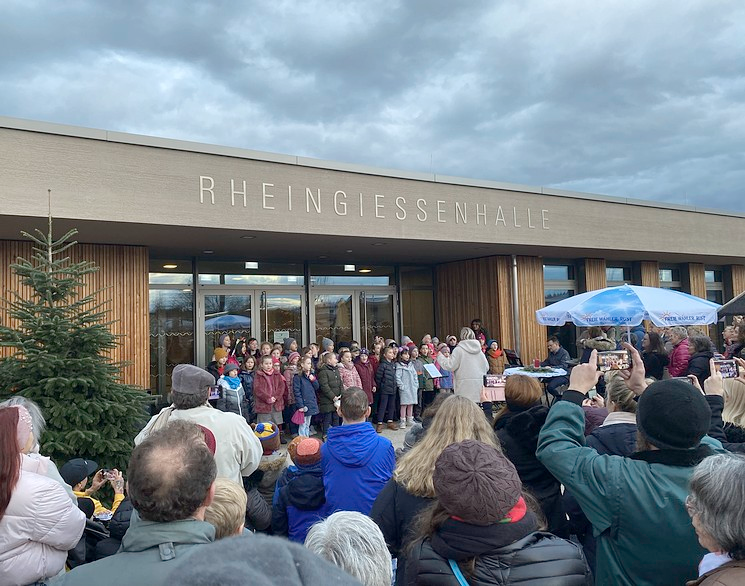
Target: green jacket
(329, 382)
(635, 504)
(426, 382)
(150, 551)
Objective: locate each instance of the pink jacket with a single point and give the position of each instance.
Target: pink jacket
(40, 524)
(349, 377)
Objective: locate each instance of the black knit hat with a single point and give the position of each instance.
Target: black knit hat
(476, 483)
(673, 415)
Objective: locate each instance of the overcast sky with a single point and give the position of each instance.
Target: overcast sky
(633, 98)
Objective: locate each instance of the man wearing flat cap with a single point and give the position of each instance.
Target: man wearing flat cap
(238, 450)
(636, 504)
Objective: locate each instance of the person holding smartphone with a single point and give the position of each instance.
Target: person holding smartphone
(76, 473)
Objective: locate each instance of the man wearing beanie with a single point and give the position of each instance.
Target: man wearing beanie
(238, 450)
(301, 502)
(636, 504)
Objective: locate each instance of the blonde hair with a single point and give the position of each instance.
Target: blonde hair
(456, 420)
(734, 403)
(617, 391)
(227, 512)
(467, 334)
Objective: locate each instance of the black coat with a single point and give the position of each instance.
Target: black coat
(654, 364)
(330, 386)
(618, 439)
(117, 528)
(394, 511)
(505, 554)
(385, 378)
(518, 434)
(735, 434)
(698, 364)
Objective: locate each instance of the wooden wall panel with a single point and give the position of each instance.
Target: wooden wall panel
(595, 276)
(696, 279)
(531, 297)
(123, 276)
(650, 273)
(738, 279)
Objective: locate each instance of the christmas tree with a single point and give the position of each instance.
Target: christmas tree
(60, 339)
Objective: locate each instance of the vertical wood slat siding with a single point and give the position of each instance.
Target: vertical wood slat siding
(738, 280)
(595, 276)
(697, 280)
(531, 297)
(650, 273)
(123, 273)
(483, 288)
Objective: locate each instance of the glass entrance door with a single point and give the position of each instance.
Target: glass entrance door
(253, 313)
(353, 315)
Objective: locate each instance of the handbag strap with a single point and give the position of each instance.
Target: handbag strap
(458, 574)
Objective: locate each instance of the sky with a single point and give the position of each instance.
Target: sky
(631, 98)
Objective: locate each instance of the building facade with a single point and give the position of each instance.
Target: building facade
(197, 240)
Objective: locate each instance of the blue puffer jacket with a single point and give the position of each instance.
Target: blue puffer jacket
(357, 463)
(300, 503)
(305, 391)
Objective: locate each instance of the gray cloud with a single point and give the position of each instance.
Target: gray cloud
(635, 99)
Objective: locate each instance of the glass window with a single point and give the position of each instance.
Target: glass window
(558, 272)
(618, 274)
(713, 276)
(554, 295)
(669, 275)
(376, 276)
(715, 296)
(237, 273)
(170, 272)
(171, 335)
(170, 278)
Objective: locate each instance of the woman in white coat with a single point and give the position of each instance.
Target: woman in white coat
(38, 521)
(468, 365)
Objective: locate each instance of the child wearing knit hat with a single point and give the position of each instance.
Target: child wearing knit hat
(301, 502)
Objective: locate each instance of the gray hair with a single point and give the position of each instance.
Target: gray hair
(467, 334)
(717, 496)
(37, 417)
(355, 543)
(679, 331)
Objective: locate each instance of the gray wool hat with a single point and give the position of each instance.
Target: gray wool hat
(326, 342)
(190, 380)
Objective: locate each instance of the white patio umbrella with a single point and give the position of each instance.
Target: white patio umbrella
(629, 305)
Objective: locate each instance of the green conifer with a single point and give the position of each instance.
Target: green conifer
(60, 340)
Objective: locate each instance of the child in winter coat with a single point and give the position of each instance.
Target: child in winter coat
(304, 387)
(301, 502)
(232, 394)
(426, 382)
(385, 381)
(246, 374)
(367, 374)
(270, 389)
(289, 370)
(446, 382)
(349, 375)
(407, 383)
(330, 387)
(496, 358)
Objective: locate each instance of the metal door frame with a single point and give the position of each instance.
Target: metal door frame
(257, 318)
(357, 293)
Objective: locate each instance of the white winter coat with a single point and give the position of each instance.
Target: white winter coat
(40, 524)
(238, 450)
(407, 383)
(469, 365)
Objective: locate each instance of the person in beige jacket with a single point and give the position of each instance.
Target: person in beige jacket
(468, 365)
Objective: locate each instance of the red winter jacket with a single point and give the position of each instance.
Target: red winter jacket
(267, 386)
(367, 376)
(679, 357)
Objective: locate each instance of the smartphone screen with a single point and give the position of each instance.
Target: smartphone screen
(727, 368)
(614, 360)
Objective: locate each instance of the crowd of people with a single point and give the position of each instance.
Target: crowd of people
(634, 476)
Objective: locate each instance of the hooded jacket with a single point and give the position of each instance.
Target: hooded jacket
(367, 377)
(304, 389)
(38, 527)
(385, 377)
(357, 462)
(407, 382)
(518, 433)
(505, 554)
(301, 502)
(349, 376)
(150, 552)
(468, 365)
(648, 485)
(267, 386)
(329, 380)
